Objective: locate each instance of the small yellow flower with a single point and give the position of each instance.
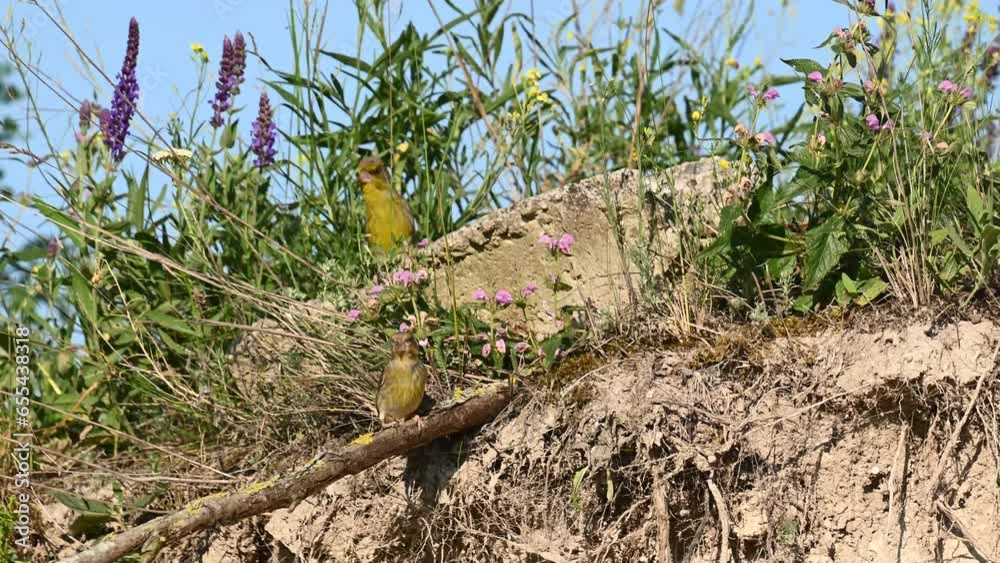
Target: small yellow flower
(732, 63)
(197, 48)
(401, 148)
(532, 76)
(542, 97)
(757, 62)
(627, 44)
(65, 155)
(725, 164)
(696, 116)
(458, 394)
(569, 35)
(993, 24)
(583, 68)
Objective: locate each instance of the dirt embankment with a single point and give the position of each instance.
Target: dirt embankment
(864, 444)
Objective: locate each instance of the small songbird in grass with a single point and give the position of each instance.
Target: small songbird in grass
(403, 381)
(389, 220)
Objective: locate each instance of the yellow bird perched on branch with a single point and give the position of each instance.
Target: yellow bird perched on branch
(403, 381)
(389, 220)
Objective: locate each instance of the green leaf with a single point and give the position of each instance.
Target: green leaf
(31, 253)
(82, 505)
(974, 202)
(170, 322)
(136, 207)
(229, 135)
(84, 294)
(849, 284)
(959, 243)
(727, 218)
(825, 245)
(803, 303)
(870, 289)
(69, 226)
(841, 294)
(805, 66)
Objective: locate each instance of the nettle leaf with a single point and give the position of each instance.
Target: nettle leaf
(727, 218)
(849, 284)
(82, 505)
(825, 245)
(853, 91)
(870, 289)
(805, 66)
(974, 202)
(841, 294)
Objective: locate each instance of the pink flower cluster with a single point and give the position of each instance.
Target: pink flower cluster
(762, 98)
(500, 345)
(406, 278)
(950, 88)
(503, 297)
(873, 123)
(564, 243)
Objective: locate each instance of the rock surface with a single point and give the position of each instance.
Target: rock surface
(615, 219)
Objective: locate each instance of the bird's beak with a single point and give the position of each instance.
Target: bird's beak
(364, 177)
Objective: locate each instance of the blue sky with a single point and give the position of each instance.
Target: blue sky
(167, 72)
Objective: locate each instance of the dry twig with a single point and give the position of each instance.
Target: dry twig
(227, 508)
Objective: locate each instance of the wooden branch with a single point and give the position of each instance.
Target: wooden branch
(725, 522)
(935, 483)
(660, 509)
(960, 530)
(226, 508)
(892, 536)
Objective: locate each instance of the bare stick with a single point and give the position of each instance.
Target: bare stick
(662, 517)
(892, 538)
(227, 508)
(725, 555)
(935, 483)
(960, 530)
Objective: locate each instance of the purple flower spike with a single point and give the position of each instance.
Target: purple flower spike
(771, 95)
(115, 122)
(232, 65)
(239, 63)
(263, 134)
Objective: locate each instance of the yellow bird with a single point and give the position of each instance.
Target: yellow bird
(389, 220)
(402, 387)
